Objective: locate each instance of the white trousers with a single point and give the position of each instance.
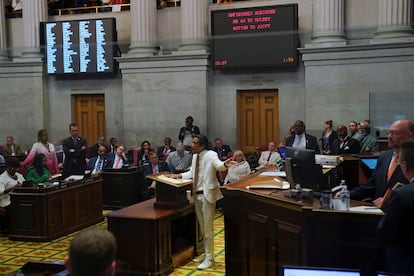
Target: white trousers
(205, 212)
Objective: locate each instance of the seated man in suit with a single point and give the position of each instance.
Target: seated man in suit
(179, 161)
(153, 167)
(301, 140)
(11, 148)
(119, 159)
(397, 226)
(93, 151)
(224, 152)
(388, 171)
(346, 144)
(98, 163)
(165, 150)
(268, 157)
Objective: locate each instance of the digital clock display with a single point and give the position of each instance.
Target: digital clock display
(264, 36)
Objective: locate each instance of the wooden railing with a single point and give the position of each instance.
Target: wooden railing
(92, 9)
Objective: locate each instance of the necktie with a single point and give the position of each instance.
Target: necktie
(154, 169)
(268, 158)
(195, 178)
(393, 166)
(118, 161)
(180, 164)
(98, 166)
(74, 141)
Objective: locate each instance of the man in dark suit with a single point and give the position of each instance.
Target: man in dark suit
(165, 150)
(153, 167)
(345, 143)
(118, 159)
(384, 177)
(396, 228)
(224, 152)
(75, 149)
(93, 151)
(301, 139)
(98, 163)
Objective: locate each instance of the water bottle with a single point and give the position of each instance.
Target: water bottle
(278, 165)
(345, 196)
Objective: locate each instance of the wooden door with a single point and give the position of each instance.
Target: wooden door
(89, 114)
(257, 118)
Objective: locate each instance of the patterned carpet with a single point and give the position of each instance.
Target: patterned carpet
(14, 254)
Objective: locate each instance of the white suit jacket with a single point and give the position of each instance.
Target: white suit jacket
(265, 155)
(209, 164)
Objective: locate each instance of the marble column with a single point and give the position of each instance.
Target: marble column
(394, 19)
(34, 12)
(194, 25)
(143, 28)
(3, 34)
(328, 22)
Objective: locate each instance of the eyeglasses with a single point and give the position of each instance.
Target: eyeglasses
(393, 133)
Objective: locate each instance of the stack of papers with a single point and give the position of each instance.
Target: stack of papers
(274, 173)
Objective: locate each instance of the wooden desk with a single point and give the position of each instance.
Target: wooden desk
(148, 237)
(48, 213)
(266, 230)
(122, 188)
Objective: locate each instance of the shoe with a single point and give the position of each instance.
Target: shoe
(198, 259)
(206, 264)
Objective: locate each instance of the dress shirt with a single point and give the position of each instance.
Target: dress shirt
(207, 179)
(7, 182)
(118, 162)
(98, 164)
(263, 160)
(178, 162)
(300, 141)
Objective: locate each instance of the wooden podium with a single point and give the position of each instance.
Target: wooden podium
(170, 193)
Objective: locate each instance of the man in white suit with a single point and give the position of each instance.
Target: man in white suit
(206, 192)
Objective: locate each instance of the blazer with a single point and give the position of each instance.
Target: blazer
(223, 152)
(107, 162)
(75, 156)
(396, 230)
(7, 150)
(311, 142)
(162, 167)
(111, 159)
(209, 164)
(377, 184)
(350, 145)
(160, 152)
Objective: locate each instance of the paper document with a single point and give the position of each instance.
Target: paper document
(281, 174)
(178, 182)
(366, 209)
(74, 177)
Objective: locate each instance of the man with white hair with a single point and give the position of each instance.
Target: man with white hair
(180, 160)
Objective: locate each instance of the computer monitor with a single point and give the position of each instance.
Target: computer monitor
(305, 172)
(370, 163)
(318, 271)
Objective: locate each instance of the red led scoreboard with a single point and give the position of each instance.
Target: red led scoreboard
(255, 37)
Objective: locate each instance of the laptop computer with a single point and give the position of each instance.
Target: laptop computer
(318, 271)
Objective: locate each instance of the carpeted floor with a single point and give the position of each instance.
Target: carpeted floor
(14, 254)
